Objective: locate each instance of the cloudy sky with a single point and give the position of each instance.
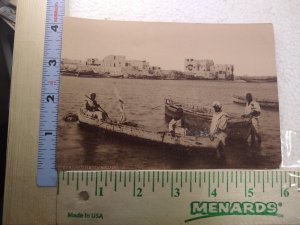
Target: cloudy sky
(249, 47)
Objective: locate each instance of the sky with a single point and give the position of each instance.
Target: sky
(249, 47)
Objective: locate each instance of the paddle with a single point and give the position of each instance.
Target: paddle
(121, 106)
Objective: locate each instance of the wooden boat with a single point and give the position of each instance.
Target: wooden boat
(198, 119)
(264, 103)
(132, 131)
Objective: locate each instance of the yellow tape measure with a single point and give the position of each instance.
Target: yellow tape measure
(215, 197)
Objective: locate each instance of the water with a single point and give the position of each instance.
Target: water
(83, 148)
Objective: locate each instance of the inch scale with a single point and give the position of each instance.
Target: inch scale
(46, 172)
(179, 197)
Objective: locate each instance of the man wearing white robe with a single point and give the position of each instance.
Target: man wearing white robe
(218, 124)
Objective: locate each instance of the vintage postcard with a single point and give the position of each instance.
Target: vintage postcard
(145, 95)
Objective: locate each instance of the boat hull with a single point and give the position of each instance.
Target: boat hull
(264, 104)
(159, 138)
(238, 129)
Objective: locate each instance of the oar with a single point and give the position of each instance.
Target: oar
(123, 117)
(157, 106)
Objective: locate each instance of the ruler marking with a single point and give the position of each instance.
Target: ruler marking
(195, 176)
(249, 175)
(204, 177)
(268, 177)
(153, 179)
(290, 182)
(148, 176)
(125, 179)
(276, 177)
(157, 176)
(227, 182)
(185, 176)
(68, 180)
(72, 176)
(133, 183)
(92, 174)
(281, 184)
(162, 179)
(263, 181)
(96, 184)
(176, 179)
(241, 176)
(115, 188)
(191, 178)
(87, 178)
(105, 178)
(139, 177)
(101, 176)
(144, 178)
(223, 177)
(208, 184)
(181, 179)
(254, 179)
(285, 181)
(236, 179)
(172, 184)
(218, 179)
(200, 181)
(272, 179)
(120, 175)
(167, 176)
(110, 176)
(294, 174)
(213, 176)
(245, 180)
(63, 175)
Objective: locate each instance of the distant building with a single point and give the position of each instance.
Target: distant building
(69, 65)
(198, 67)
(223, 71)
(93, 61)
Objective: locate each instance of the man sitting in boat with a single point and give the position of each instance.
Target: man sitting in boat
(252, 111)
(175, 125)
(218, 124)
(94, 108)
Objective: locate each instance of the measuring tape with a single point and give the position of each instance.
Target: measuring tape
(179, 197)
(46, 173)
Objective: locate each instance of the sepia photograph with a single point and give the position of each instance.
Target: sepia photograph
(162, 95)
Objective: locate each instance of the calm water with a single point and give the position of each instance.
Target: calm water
(81, 148)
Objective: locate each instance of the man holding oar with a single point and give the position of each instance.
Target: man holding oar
(92, 106)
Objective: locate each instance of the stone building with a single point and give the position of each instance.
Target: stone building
(198, 67)
(223, 71)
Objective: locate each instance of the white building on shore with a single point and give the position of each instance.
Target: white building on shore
(223, 71)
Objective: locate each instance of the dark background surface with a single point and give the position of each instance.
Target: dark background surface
(6, 42)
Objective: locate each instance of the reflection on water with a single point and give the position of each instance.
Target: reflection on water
(85, 148)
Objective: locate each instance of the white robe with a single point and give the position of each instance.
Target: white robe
(218, 126)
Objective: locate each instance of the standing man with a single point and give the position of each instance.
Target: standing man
(252, 111)
(175, 125)
(218, 126)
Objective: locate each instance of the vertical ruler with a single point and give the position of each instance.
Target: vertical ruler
(46, 174)
(216, 197)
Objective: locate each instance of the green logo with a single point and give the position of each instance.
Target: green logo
(201, 210)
